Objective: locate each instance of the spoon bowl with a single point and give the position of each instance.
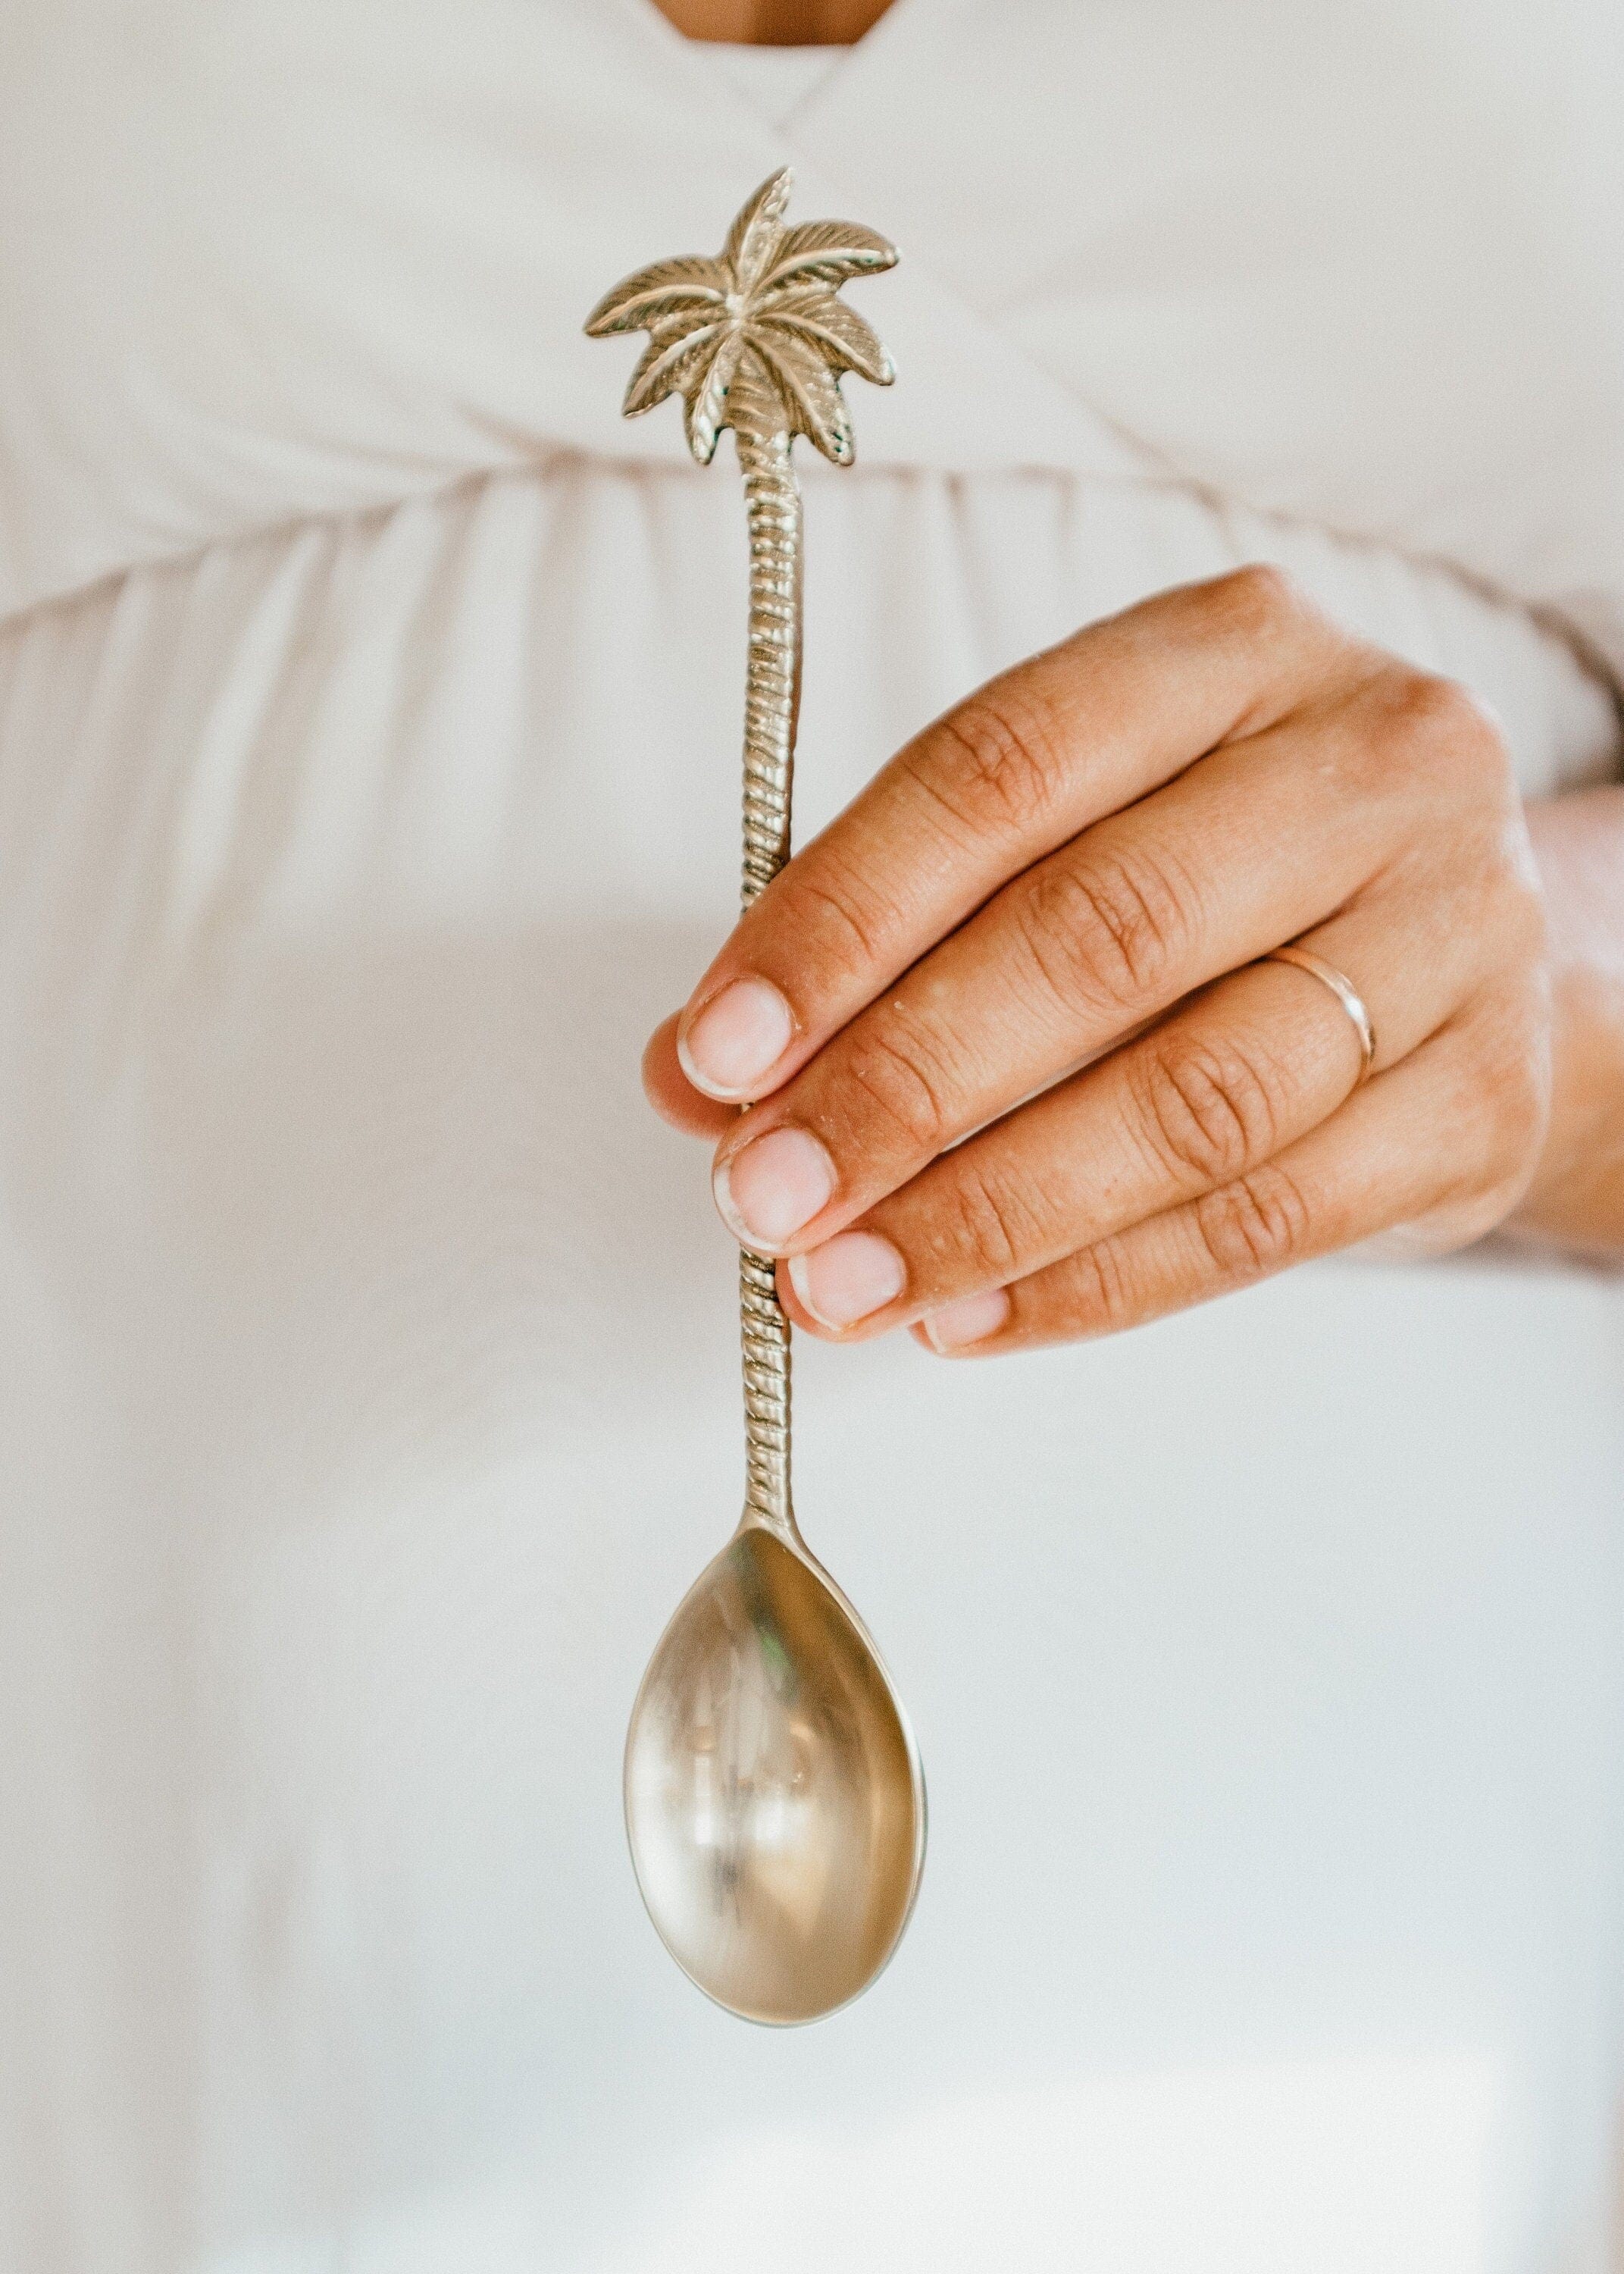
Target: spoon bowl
(774, 1799)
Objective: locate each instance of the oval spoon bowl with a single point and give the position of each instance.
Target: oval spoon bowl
(774, 1799)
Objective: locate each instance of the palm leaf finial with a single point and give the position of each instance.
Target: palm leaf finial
(768, 307)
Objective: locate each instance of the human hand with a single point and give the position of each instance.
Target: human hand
(1079, 867)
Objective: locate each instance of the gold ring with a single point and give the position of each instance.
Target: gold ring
(1346, 993)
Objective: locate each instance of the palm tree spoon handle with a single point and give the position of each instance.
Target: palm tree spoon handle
(773, 1795)
(771, 700)
(757, 340)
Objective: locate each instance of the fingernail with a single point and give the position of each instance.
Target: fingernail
(848, 1277)
(768, 1190)
(970, 1319)
(739, 1036)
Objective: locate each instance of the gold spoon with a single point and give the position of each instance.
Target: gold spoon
(774, 1799)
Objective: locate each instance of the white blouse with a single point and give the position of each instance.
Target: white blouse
(368, 1350)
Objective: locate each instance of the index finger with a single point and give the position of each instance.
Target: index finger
(999, 781)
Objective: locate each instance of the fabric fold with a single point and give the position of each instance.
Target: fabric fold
(302, 259)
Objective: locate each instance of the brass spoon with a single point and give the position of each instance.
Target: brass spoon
(774, 1799)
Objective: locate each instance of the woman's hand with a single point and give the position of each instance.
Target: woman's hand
(1081, 866)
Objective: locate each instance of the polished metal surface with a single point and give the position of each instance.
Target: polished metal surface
(772, 1793)
(774, 1801)
(1303, 959)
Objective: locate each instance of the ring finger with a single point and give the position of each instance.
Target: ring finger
(1355, 1176)
(1236, 1074)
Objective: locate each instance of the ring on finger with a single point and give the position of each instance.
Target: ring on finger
(1346, 993)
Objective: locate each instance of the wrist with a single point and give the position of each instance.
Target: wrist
(1576, 1198)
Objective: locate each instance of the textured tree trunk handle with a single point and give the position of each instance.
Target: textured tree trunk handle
(757, 339)
(772, 694)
